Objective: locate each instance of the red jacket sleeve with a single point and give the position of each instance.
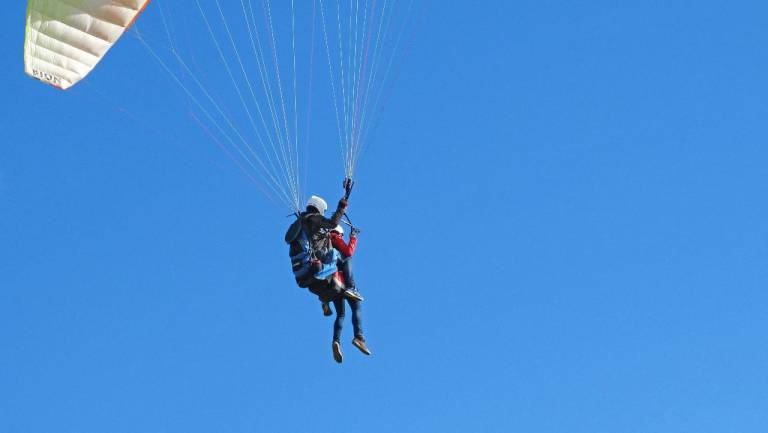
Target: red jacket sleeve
(346, 249)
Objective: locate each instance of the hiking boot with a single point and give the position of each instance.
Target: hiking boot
(337, 356)
(359, 342)
(353, 295)
(326, 309)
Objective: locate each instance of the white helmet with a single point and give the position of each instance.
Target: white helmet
(318, 203)
(339, 229)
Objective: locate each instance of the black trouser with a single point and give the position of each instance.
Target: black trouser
(357, 317)
(325, 290)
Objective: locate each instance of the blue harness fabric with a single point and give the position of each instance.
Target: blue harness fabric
(307, 253)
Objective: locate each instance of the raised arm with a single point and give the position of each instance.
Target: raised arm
(335, 219)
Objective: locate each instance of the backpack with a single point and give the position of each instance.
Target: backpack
(312, 259)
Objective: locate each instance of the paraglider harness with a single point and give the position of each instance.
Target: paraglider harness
(313, 258)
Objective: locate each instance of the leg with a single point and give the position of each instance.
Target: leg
(345, 267)
(357, 322)
(357, 317)
(319, 290)
(324, 290)
(338, 324)
(326, 309)
(323, 296)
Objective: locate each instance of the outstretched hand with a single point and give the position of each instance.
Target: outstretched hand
(348, 184)
(354, 232)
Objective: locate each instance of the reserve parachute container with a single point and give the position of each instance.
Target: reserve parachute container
(66, 39)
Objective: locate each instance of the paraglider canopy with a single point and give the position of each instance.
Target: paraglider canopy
(65, 40)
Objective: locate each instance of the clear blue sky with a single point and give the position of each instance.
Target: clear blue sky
(566, 230)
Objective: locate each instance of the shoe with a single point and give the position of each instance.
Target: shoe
(359, 342)
(337, 352)
(326, 309)
(353, 295)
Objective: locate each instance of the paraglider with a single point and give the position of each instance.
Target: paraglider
(266, 65)
(321, 263)
(313, 257)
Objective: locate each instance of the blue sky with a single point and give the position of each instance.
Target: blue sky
(565, 229)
